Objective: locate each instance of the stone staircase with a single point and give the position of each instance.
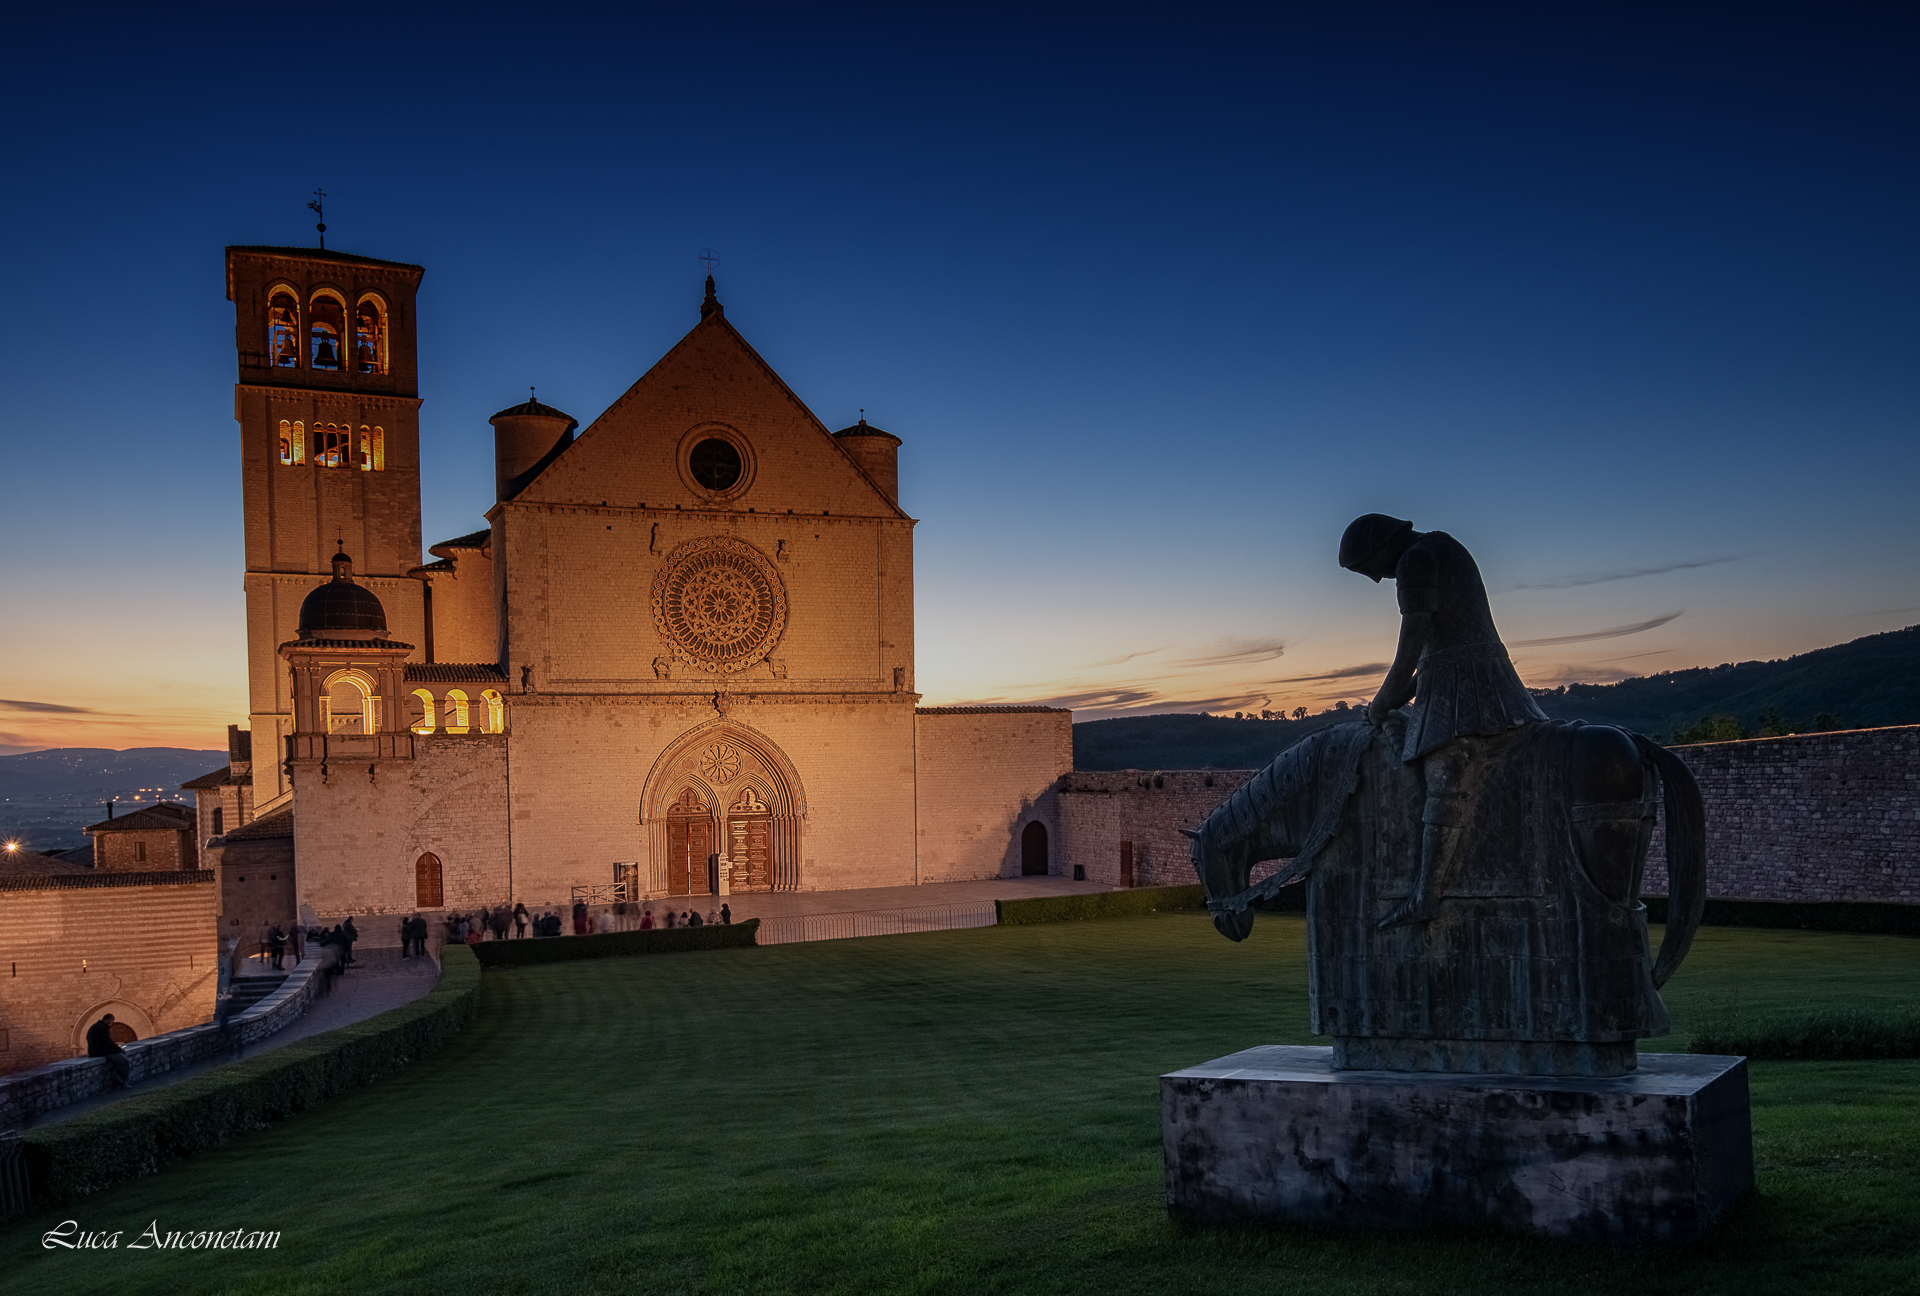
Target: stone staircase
(248, 991)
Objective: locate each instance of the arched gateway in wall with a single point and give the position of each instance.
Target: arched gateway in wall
(722, 789)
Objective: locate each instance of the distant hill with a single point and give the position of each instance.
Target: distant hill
(46, 797)
(1866, 683)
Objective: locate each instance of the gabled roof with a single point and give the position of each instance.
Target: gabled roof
(277, 824)
(31, 863)
(167, 814)
(218, 778)
(455, 673)
(322, 254)
(712, 323)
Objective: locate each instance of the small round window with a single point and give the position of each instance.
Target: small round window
(715, 464)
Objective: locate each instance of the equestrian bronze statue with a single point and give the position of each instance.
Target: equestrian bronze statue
(1472, 868)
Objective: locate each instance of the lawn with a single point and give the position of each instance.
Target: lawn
(959, 1112)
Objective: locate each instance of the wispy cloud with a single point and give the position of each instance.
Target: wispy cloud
(1123, 660)
(1625, 573)
(1611, 632)
(1239, 652)
(1344, 673)
(52, 708)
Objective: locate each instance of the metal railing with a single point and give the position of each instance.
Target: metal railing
(601, 893)
(793, 929)
(14, 1195)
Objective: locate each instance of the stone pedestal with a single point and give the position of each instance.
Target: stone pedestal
(1275, 1133)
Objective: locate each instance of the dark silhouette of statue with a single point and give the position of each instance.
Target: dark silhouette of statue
(1472, 868)
(1451, 665)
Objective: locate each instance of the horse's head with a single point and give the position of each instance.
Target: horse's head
(1223, 873)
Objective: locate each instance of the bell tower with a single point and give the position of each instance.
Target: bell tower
(328, 403)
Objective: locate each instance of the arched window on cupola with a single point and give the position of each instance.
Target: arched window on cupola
(370, 336)
(327, 331)
(348, 700)
(283, 329)
(496, 711)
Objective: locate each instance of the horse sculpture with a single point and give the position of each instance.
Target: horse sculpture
(1538, 961)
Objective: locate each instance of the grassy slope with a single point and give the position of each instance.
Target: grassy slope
(956, 1112)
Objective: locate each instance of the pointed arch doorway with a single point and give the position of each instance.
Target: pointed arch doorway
(724, 805)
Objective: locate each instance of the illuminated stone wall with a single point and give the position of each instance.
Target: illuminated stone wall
(983, 774)
(1099, 810)
(138, 945)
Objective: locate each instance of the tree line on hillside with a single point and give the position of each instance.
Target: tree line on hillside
(1862, 684)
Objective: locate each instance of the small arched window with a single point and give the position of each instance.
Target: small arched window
(370, 336)
(427, 893)
(327, 331)
(348, 701)
(366, 449)
(299, 441)
(422, 719)
(286, 442)
(456, 716)
(283, 329)
(496, 711)
(379, 453)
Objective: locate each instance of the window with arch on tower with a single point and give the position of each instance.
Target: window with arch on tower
(370, 336)
(373, 449)
(293, 442)
(283, 329)
(327, 330)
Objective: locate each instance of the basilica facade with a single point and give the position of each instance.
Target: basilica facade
(678, 659)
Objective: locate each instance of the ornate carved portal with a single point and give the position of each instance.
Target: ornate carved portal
(724, 790)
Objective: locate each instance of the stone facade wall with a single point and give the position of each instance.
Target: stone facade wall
(359, 834)
(1100, 810)
(144, 850)
(466, 618)
(982, 776)
(138, 945)
(1833, 816)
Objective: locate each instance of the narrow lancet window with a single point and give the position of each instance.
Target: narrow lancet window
(286, 442)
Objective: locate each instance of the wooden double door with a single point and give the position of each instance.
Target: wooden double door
(745, 839)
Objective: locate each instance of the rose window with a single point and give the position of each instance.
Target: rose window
(718, 602)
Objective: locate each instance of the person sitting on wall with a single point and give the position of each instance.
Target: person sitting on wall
(102, 1044)
(693, 917)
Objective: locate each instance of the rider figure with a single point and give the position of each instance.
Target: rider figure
(1465, 683)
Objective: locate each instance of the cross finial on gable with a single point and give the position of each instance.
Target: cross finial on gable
(711, 306)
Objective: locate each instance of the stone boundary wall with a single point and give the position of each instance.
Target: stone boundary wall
(1101, 809)
(1830, 816)
(34, 1093)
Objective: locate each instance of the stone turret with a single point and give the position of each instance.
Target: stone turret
(876, 451)
(525, 439)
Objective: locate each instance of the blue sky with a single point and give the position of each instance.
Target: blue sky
(1624, 296)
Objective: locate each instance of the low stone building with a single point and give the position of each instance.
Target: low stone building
(79, 943)
(152, 839)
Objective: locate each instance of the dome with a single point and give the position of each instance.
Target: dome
(341, 609)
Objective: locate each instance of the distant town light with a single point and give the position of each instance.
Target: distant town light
(12, 846)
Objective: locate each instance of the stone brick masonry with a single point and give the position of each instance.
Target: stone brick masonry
(1810, 817)
(1833, 816)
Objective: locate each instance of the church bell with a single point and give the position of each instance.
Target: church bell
(324, 356)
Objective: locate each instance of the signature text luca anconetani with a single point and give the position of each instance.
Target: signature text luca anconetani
(74, 1238)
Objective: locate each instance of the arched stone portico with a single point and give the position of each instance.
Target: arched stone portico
(722, 788)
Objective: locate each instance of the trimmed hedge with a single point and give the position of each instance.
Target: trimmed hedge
(1100, 904)
(564, 949)
(138, 1136)
(1847, 1036)
(1873, 917)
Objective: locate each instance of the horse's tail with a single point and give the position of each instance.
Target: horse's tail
(1686, 856)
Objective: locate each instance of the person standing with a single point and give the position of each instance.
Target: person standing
(352, 934)
(520, 920)
(726, 915)
(277, 946)
(646, 919)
